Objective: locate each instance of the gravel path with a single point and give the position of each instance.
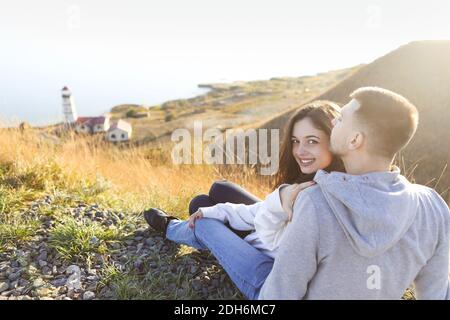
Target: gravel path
(34, 270)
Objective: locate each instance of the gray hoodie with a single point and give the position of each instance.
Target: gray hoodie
(363, 237)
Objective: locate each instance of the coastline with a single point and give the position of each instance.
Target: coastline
(13, 120)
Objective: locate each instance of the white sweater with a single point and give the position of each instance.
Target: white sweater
(266, 218)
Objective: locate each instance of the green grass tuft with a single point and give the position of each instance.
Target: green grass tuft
(78, 241)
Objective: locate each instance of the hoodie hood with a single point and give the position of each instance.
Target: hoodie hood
(374, 210)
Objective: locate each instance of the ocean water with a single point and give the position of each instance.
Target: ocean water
(40, 103)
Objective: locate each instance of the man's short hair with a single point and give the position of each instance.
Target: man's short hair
(388, 118)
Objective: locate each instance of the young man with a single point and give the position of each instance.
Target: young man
(367, 233)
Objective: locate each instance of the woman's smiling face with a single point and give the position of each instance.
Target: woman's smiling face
(310, 147)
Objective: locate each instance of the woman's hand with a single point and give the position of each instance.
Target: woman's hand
(288, 194)
(194, 217)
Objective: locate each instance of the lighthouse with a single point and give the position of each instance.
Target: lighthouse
(69, 111)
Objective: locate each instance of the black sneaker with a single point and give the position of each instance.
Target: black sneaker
(158, 219)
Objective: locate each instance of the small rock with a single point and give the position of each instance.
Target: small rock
(38, 282)
(193, 269)
(107, 223)
(140, 232)
(92, 278)
(42, 263)
(99, 214)
(3, 267)
(77, 296)
(89, 213)
(94, 241)
(42, 292)
(139, 265)
(23, 282)
(74, 280)
(4, 286)
(70, 293)
(32, 269)
(88, 295)
(46, 271)
(6, 293)
(62, 290)
(14, 284)
(23, 262)
(55, 270)
(150, 242)
(42, 256)
(73, 269)
(14, 276)
(101, 259)
(59, 282)
(115, 245)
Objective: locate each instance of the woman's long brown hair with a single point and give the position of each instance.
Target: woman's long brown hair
(321, 113)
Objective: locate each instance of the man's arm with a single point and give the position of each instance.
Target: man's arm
(433, 282)
(296, 261)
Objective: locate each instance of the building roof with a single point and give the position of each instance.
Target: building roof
(98, 120)
(81, 120)
(91, 121)
(121, 125)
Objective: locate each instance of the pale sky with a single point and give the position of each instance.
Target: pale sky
(142, 51)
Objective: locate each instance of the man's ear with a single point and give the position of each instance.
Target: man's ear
(356, 141)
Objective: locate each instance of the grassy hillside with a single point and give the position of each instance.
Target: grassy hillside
(78, 203)
(228, 105)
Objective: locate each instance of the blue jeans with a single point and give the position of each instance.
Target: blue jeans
(247, 267)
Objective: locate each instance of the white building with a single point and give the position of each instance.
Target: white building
(120, 131)
(68, 104)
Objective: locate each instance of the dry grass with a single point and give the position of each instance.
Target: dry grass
(125, 180)
(142, 175)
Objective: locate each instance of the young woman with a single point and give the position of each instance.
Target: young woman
(305, 150)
